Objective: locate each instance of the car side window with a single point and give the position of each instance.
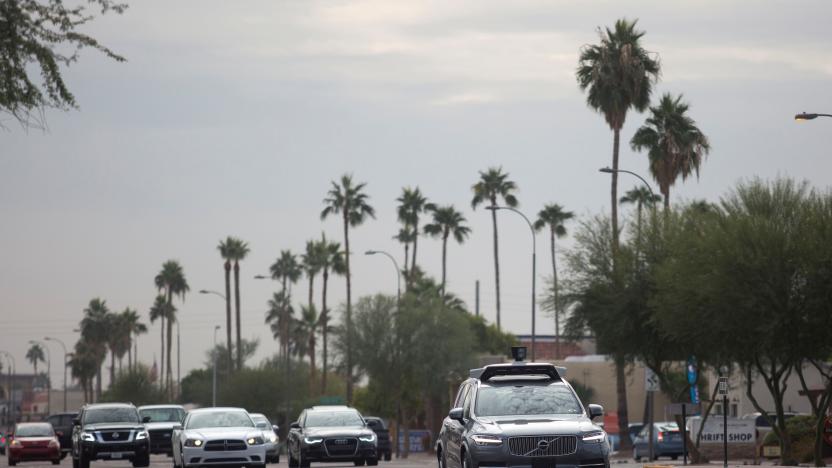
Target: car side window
(466, 406)
(460, 396)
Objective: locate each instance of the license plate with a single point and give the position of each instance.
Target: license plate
(116, 455)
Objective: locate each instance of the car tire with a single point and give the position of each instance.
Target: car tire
(83, 463)
(293, 462)
(674, 457)
(467, 461)
(636, 456)
(387, 456)
(141, 462)
(56, 462)
(74, 462)
(358, 462)
(372, 461)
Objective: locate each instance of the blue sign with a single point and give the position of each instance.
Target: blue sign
(692, 373)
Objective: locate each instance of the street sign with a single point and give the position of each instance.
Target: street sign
(651, 380)
(723, 386)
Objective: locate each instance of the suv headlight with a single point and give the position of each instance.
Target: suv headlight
(88, 437)
(272, 437)
(193, 443)
(254, 440)
(594, 437)
(313, 440)
(141, 435)
(481, 439)
(367, 438)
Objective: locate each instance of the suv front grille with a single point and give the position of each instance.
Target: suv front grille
(115, 436)
(543, 446)
(224, 445)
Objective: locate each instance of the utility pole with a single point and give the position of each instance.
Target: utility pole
(49, 338)
(214, 353)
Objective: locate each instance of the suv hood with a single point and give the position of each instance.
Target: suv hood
(114, 426)
(348, 431)
(534, 425)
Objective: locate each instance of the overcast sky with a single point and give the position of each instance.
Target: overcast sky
(231, 118)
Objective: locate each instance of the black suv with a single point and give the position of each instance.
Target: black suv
(384, 446)
(331, 434)
(111, 431)
(62, 425)
(521, 414)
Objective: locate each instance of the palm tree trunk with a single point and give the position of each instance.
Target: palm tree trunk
(614, 194)
(638, 232)
(349, 306)
(556, 291)
(112, 367)
(621, 388)
(324, 326)
(130, 353)
(162, 356)
(168, 368)
(444, 259)
(415, 243)
(135, 352)
(98, 381)
(237, 304)
(311, 335)
(496, 259)
(406, 270)
(228, 342)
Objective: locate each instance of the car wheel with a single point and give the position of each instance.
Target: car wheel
(83, 462)
(674, 457)
(358, 462)
(636, 456)
(56, 462)
(293, 463)
(467, 461)
(440, 458)
(74, 462)
(141, 462)
(387, 456)
(372, 461)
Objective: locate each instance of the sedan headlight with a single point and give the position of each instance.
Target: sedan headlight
(254, 440)
(481, 439)
(594, 437)
(313, 440)
(88, 436)
(141, 435)
(367, 438)
(15, 443)
(194, 443)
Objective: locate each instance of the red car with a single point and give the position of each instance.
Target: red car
(34, 442)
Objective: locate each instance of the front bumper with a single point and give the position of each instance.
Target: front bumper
(115, 451)
(320, 452)
(160, 441)
(34, 453)
(252, 455)
(594, 455)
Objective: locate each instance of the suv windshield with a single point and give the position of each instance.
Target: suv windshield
(34, 430)
(526, 400)
(111, 415)
(219, 419)
(163, 414)
(338, 418)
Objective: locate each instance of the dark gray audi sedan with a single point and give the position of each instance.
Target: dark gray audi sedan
(521, 415)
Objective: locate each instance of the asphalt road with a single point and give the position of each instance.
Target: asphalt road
(157, 461)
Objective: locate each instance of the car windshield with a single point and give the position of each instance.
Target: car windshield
(379, 424)
(163, 414)
(219, 419)
(526, 400)
(111, 415)
(34, 430)
(336, 418)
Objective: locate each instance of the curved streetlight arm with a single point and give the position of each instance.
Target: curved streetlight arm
(208, 291)
(809, 116)
(610, 171)
(395, 264)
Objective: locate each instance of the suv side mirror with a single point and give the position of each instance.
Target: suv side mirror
(145, 419)
(595, 411)
(456, 414)
(177, 427)
(275, 428)
(294, 425)
(76, 421)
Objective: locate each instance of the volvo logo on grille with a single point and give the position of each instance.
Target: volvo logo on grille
(115, 435)
(543, 445)
(341, 442)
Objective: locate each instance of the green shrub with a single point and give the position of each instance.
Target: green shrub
(801, 431)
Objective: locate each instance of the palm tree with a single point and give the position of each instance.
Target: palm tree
(160, 310)
(35, 354)
(135, 328)
(641, 196)
(617, 74)
(446, 222)
(406, 236)
(238, 251)
(279, 317)
(492, 186)
(306, 330)
(674, 144)
(94, 332)
(554, 216)
(287, 270)
(171, 282)
(350, 202)
(311, 265)
(226, 252)
(114, 339)
(84, 366)
(332, 260)
(411, 204)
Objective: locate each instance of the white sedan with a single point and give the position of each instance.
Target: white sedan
(218, 436)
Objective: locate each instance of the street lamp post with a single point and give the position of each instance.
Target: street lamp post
(398, 305)
(809, 116)
(49, 338)
(214, 383)
(534, 268)
(48, 375)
